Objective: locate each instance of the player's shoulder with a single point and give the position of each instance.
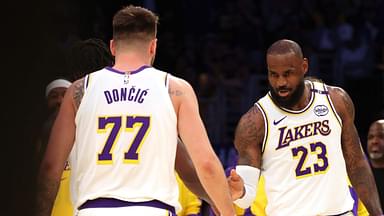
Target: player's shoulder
(337, 94)
(178, 80)
(336, 91)
(76, 85)
(253, 116)
(75, 92)
(177, 83)
(340, 99)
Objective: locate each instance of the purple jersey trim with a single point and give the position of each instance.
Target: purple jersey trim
(132, 72)
(115, 203)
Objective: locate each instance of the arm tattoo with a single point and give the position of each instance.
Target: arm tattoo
(359, 171)
(46, 195)
(249, 136)
(78, 92)
(175, 92)
(358, 168)
(349, 106)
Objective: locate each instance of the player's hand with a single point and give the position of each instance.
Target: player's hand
(236, 185)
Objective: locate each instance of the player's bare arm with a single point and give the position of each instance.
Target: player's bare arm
(358, 168)
(78, 92)
(192, 131)
(187, 172)
(59, 146)
(249, 136)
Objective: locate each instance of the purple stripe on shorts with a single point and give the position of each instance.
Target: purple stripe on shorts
(115, 203)
(132, 72)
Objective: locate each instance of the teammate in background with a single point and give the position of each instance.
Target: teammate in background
(190, 203)
(375, 147)
(120, 127)
(87, 56)
(54, 94)
(84, 57)
(303, 138)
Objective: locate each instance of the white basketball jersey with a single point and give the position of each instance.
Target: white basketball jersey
(126, 138)
(302, 159)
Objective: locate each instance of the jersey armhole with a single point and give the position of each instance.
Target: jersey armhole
(86, 82)
(266, 131)
(166, 80)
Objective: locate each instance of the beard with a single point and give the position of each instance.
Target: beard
(291, 100)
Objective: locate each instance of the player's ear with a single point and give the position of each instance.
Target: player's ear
(153, 46)
(305, 65)
(112, 47)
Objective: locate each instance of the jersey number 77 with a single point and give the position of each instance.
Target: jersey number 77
(115, 123)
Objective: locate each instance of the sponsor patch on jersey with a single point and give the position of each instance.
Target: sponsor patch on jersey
(321, 110)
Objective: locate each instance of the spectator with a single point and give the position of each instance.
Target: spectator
(376, 154)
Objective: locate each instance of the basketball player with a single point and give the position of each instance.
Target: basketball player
(87, 56)
(120, 127)
(54, 93)
(302, 137)
(93, 54)
(189, 202)
(84, 57)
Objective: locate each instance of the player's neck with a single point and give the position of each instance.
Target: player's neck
(129, 61)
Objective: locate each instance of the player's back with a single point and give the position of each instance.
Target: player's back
(302, 162)
(126, 136)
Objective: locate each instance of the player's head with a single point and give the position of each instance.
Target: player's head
(54, 93)
(134, 29)
(286, 70)
(88, 56)
(376, 141)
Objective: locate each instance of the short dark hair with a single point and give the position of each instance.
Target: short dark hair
(285, 46)
(134, 23)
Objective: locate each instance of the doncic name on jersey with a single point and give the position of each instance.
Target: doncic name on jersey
(132, 94)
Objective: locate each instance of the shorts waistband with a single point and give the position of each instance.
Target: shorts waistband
(115, 203)
(343, 214)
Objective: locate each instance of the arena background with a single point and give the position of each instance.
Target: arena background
(217, 45)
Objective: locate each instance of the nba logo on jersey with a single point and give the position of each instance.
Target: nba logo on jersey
(321, 110)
